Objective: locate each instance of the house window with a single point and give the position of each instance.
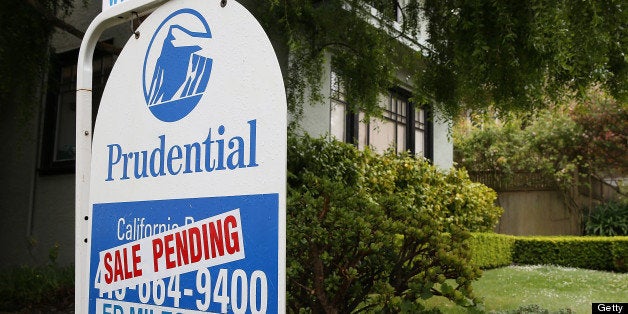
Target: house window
(402, 127)
(58, 140)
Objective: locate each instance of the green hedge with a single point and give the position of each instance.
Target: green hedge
(600, 253)
(491, 250)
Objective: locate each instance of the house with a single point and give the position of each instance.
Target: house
(37, 163)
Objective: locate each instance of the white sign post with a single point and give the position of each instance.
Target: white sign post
(187, 181)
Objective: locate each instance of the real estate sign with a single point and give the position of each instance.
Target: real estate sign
(188, 172)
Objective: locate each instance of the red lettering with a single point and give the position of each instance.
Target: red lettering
(127, 273)
(205, 242)
(109, 273)
(118, 274)
(182, 248)
(194, 239)
(158, 251)
(136, 260)
(232, 240)
(169, 251)
(215, 236)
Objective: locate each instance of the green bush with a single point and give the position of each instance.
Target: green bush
(491, 250)
(619, 250)
(39, 287)
(608, 219)
(368, 232)
(600, 253)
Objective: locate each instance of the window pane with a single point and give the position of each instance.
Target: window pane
(401, 138)
(362, 132)
(381, 135)
(338, 120)
(65, 146)
(419, 142)
(337, 88)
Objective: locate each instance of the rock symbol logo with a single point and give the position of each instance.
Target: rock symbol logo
(177, 65)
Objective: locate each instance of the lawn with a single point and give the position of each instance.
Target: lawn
(550, 287)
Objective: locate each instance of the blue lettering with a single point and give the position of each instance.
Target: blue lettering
(111, 162)
(125, 166)
(105, 308)
(197, 157)
(209, 166)
(141, 311)
(172, 159)
(158, 152)
(221, 149)
(143, 174)
(252, 142)
(238, 153)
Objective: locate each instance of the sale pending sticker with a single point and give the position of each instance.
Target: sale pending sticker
(186, 256)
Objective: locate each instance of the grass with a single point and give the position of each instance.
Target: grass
(549, 287)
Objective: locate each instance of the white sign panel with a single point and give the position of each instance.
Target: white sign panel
(188, 171)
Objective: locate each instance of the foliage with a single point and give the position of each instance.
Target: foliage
(619, 251)
(491, 250)
(608, 219)
(604, 138)
(24, 50)
(377, 232)
(516, 54)
(512, 55)
(37, 287)
(600, 253)
(566, 144)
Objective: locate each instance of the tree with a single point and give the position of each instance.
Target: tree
(567, 144)
(512, 55)
(27, 26)
(25, 39)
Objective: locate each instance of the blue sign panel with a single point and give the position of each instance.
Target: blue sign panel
(143, 239)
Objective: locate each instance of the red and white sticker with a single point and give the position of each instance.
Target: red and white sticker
(209, 242)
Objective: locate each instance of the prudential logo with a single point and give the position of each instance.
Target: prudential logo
(177, 65)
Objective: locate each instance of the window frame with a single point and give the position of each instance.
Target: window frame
(56, 89)
(353, 124)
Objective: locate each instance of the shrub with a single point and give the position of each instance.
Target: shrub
(36, 287)
(608, 219)
(368, 232)
(619, 250)
(491, 250)
(600, 253)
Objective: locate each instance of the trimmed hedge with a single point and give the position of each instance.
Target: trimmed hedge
(491, 250)
(599, 253)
